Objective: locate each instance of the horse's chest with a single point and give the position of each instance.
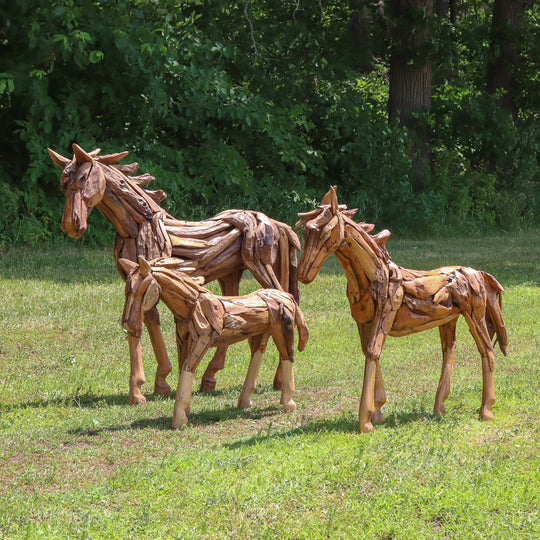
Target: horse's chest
(362, 309)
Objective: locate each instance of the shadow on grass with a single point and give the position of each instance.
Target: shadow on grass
(90, 400)
(344, 424)
(82, 401)
(163, 423)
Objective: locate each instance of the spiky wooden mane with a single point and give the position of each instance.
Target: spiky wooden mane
(129, 169)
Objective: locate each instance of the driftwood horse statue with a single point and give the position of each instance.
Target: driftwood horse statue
(386, 300)
(218, 248)
(205, 320)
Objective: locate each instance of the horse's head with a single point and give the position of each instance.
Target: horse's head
(83, 182)
(143, 292)
(323, 234)
(143, 289)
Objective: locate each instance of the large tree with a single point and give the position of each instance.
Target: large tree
(505, 37)
(411, 73)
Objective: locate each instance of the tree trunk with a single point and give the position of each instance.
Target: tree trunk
(410, 75)
(504, 46)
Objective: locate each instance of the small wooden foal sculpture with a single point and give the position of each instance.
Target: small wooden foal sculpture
(386, 300)
(205, 320)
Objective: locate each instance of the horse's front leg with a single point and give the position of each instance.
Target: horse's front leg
(195, 350)
(283, 336)
(257, 345)
(136, 377)
(379, 393)
(230, 286)
(183, 399)
(383, 320)
(447, 333)
(151, 320)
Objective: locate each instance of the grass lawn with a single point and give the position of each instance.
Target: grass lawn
(76, 461)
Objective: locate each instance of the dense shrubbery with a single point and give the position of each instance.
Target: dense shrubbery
(261, 108)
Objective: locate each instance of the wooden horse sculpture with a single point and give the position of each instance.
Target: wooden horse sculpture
(204, 320)
(218, 248)
(386, 300)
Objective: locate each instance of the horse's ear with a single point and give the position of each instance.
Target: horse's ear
(126, 265)
(80, 155)
(109, 159)
(59, 160)
(144, 266)
(331, 199)
(327, 199)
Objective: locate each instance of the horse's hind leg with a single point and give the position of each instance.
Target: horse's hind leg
(447, 333)
(287, 387)
(488, 387)
(480, 334)
(230, 286)
(380, 396)
(151, 319)
(257, 345)
(208, 381)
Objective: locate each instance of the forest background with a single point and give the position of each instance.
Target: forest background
(424, 113)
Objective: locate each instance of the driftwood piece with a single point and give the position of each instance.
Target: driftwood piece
(221, 247)
(205, 320)
(386, 299)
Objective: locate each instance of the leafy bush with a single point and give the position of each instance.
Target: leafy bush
(261, 105)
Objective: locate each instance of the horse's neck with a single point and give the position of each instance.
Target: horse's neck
(179, 295)
(360, 257)
(125, 204)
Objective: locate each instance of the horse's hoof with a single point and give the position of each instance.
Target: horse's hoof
(162, 389)
(289, 407)
(366, 427)
(377, 417)
(485, 414)
(207, 385)
(439, 411)
(137, 400)
(179, 421)
(244, 403)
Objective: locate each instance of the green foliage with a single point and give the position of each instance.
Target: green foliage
(259, 105)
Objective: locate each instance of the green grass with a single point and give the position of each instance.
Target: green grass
(77, 462)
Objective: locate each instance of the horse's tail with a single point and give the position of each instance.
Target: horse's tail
(301, 326)
(494, 318)
(268, 249)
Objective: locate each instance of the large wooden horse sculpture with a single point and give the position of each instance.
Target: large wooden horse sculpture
(205, 320)
(218, 248)
(386, 300)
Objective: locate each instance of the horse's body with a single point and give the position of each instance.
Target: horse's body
(205, 320)
(218, 248)
(386, 299)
